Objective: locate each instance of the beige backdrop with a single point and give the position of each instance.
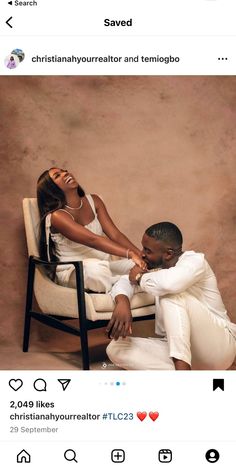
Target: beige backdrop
(155, 148)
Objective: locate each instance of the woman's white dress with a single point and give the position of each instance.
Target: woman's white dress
(100, 271)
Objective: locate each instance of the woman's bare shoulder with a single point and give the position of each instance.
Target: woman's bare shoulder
(97, 200)
(60, 215)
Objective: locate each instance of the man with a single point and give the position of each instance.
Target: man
(191, 321)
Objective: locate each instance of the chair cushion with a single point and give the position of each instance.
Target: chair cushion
(104, 302)
(62, 301)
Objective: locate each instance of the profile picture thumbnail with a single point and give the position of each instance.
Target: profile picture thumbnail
(14, 58)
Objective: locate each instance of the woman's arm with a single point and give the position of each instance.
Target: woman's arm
(109, 228)
(63, 223)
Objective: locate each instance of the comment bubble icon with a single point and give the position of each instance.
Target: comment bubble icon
(40, 385)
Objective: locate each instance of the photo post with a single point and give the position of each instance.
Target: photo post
(118, 233)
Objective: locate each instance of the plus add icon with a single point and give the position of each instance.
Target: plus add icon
(118, 455)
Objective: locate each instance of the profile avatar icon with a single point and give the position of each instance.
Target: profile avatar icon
(14, 59)
(11, 62)
(19, 53)
(212, 455)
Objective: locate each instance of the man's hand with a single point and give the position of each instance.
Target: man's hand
(134, 272)
(120, 323)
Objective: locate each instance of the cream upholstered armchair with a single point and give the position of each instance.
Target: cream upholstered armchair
(58, 303)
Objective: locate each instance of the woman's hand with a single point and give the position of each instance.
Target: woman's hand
(137, 260)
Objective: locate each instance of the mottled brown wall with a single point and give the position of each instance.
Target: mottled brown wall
(156, 148)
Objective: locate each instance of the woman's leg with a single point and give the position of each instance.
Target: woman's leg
(97, 276)
(195, 336)
(120, 267)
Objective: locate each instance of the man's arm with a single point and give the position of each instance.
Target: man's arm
(176, 279)
(120, 323)
(123, 287)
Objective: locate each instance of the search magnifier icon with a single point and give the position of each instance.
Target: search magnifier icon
(70, 455)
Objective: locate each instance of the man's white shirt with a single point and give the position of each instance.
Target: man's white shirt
(192, 274)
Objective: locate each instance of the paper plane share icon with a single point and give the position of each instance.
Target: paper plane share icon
(64, 383)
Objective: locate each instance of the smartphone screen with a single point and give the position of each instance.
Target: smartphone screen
(118, 321)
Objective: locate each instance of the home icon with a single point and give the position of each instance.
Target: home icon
(23, 456)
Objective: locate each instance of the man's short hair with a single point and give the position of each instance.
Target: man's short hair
(167, 232)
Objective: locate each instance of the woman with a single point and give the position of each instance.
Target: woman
(75, 226)
(11, 63)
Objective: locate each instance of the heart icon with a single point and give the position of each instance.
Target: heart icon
(141, 415)
(15, 384)
(153, 415)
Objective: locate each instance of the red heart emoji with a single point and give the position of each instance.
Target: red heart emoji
(141, 415)
(153, 415)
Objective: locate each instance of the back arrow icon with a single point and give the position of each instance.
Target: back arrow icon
(7, 22)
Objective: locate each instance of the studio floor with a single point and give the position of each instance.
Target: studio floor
(62, 351)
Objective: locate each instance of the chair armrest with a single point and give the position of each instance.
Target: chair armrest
(37, 261)
(34, 261)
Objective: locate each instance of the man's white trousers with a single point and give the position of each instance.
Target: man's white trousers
(194, 335)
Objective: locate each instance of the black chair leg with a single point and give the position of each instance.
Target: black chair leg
(26, 333)
(81, 309)
(82, 315)
(84, 348)
(28, 305)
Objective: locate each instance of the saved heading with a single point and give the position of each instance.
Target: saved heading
(108, 22)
